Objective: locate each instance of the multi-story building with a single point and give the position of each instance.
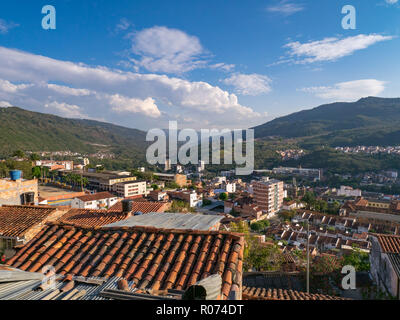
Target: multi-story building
(167, 165)
(179, 179)
(268, 195)
(55, 165)
(130, 188)
(191, 197)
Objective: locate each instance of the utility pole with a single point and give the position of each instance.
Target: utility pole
(308, 257)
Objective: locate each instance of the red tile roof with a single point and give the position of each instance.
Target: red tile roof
(156, 259)
(96, 196)
(251, 293)
(389, 243)
(15, 221)
(92, 218)
(143, 206)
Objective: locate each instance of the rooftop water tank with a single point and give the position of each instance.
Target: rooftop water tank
(15, 174)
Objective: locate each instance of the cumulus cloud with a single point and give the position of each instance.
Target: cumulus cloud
(149, 96)
(132, 105)
(65, 110)
(286, 8)
(249, 84)
(330, 49)
(162, 49)
(391, 1)
(6, 26)
(348, 91)
(5, 104)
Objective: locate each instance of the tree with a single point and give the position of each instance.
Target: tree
(259, 226)
(154, 186)
(36, 172)
(34, 157)
(19, 154)
(358, 259)
(223, 196)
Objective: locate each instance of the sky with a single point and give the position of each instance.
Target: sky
(205, 64)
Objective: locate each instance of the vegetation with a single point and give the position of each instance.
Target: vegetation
(260, 226)
(257, 257)
(223, 196)
(180, 207)
(320, 205)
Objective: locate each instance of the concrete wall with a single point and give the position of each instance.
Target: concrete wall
(11, 191)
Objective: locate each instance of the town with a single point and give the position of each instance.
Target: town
(253, 237)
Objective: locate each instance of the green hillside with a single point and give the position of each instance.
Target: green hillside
(369, 121)
(33, 131)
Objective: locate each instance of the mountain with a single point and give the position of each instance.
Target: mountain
(33, 131)
(368, 121)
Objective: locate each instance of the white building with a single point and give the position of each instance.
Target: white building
(230, 187)
(348, 192)
(130, 188)
(101, 200)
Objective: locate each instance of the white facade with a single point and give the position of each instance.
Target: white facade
(130, 189)
(230, 187)
(348, 192)
(94, 204)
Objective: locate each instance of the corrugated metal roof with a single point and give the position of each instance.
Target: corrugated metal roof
(169, 220)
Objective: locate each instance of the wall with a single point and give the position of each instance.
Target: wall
(10, 191)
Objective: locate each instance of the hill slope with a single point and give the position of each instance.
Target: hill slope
(33, 131)
(368, 121)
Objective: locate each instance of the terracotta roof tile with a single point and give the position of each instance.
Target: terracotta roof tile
(157, 259)
(143, 206)
(251, 293)
(389, 243)
(96, 196)
(15, 221)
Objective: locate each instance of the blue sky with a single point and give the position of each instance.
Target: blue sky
(231, 64)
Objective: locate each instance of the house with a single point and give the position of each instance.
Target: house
(101, 200)
(191, 197)
(385, 263)
(158, 195)
(153, 259)
(19, 224)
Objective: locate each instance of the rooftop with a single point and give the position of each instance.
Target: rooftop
(92, 218)
(140, 205)
(96, 196)
(251, 293)
(168, 220)
(156, 259)
(389, 243)
(15, 221)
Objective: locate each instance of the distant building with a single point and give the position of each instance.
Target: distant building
(268, 195)
(55, 165)
(230, 187)
(348, 192)
(315, 174)
(158, 195)
(101, 200)
(18, 192)
(130, 188)
(167, 165)
(190, 197)
(179, 179)
(142, 169)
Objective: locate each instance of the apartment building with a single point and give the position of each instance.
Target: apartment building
(268, 195)
(130, 188)
(101, 200)
(179, 179)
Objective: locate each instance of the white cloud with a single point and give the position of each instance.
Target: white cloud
(391, 1)
(91, 88)
(167, 50)
(286, 8)
(7, 86)
(5, 104)
(124, 104)
(65, 110)
(330, 49)
(348, 91)
(6, 26)
(249, 84)
(123, 25)
(64, 90)
(222, 66)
